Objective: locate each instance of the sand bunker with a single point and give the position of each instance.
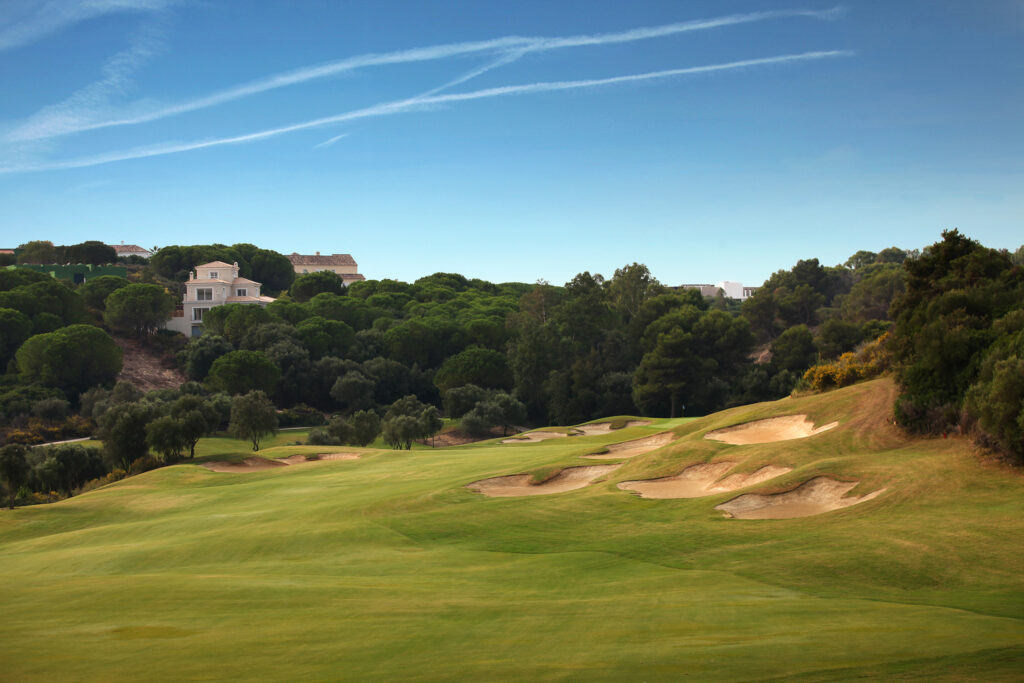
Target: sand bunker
(254, 464)
(813, 497)
(697, 481)
(247, 465)
(534, 437)
(519, 484)
(629, 449)
(605, 427)
(767, 431)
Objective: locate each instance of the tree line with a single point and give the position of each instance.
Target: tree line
(390, 359)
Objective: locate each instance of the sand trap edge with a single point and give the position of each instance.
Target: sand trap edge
(519, 485)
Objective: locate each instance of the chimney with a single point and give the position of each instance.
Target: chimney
(318, 253)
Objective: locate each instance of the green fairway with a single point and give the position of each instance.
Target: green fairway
(388, 568)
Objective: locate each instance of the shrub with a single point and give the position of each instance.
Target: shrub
(319, 437)
(870, 361)
(300, 415)
(143, 464)
(109, 478)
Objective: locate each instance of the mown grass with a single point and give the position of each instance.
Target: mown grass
(388, 568)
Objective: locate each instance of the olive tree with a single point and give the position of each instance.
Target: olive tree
(253, 417)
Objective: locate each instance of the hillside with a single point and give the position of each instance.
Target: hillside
(143, 369)
(388, 567)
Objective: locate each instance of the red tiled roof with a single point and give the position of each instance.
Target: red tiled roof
(215, 264)
(318, 260)
(128, 249)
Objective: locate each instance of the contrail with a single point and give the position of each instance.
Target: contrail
(24, 23)
(418, 102)
(331, 141)
(512, 44)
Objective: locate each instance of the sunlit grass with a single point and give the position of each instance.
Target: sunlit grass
(388, 568)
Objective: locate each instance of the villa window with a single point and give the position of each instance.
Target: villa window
(197, 313)
(204, 294)
(214, 275)
(242, 292)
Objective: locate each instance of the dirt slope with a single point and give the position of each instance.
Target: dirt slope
(142, 367)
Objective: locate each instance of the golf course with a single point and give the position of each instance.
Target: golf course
(828, 545)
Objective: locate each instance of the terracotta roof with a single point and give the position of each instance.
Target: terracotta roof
(215, 264)
(351, 276)
(245, 281)
(207, 281)
(6, 251)
(128, 249)
(318, 260)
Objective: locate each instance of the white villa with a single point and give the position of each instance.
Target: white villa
(213, 284)
(733, 290)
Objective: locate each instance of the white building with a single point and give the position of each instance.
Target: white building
(342, 265)
(733, 290)
(213, 284)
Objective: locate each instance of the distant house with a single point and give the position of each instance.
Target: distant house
(733, 290)
(340, 264)
(213, 284)
(130, 250)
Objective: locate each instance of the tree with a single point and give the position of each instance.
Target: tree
(837, 336)
(324, 337)
(138, 308)
(272, 270)
(234, 321)
(90, 251)
(870, 298)
(861, 259)
(253, 417)
(944, 326)
(794, 349)
(460, 400)
(365, 426)
(479, 366)
(40, 252)
(305, 287)
(430, 422)
(693, 357)
(198, 418)
(95, 291)
(66, 467)
(166, 436)
(630, 287)
(123, 432)
(15, 328)
(339, 428)
(73, 358)
(199, 354)
(399, 432)
(353, 391)
(499, 409)
(14, 469)
(240, 372)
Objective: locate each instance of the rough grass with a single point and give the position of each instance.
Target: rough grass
(388, 568)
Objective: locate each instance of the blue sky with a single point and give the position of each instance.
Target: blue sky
(515, 140)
